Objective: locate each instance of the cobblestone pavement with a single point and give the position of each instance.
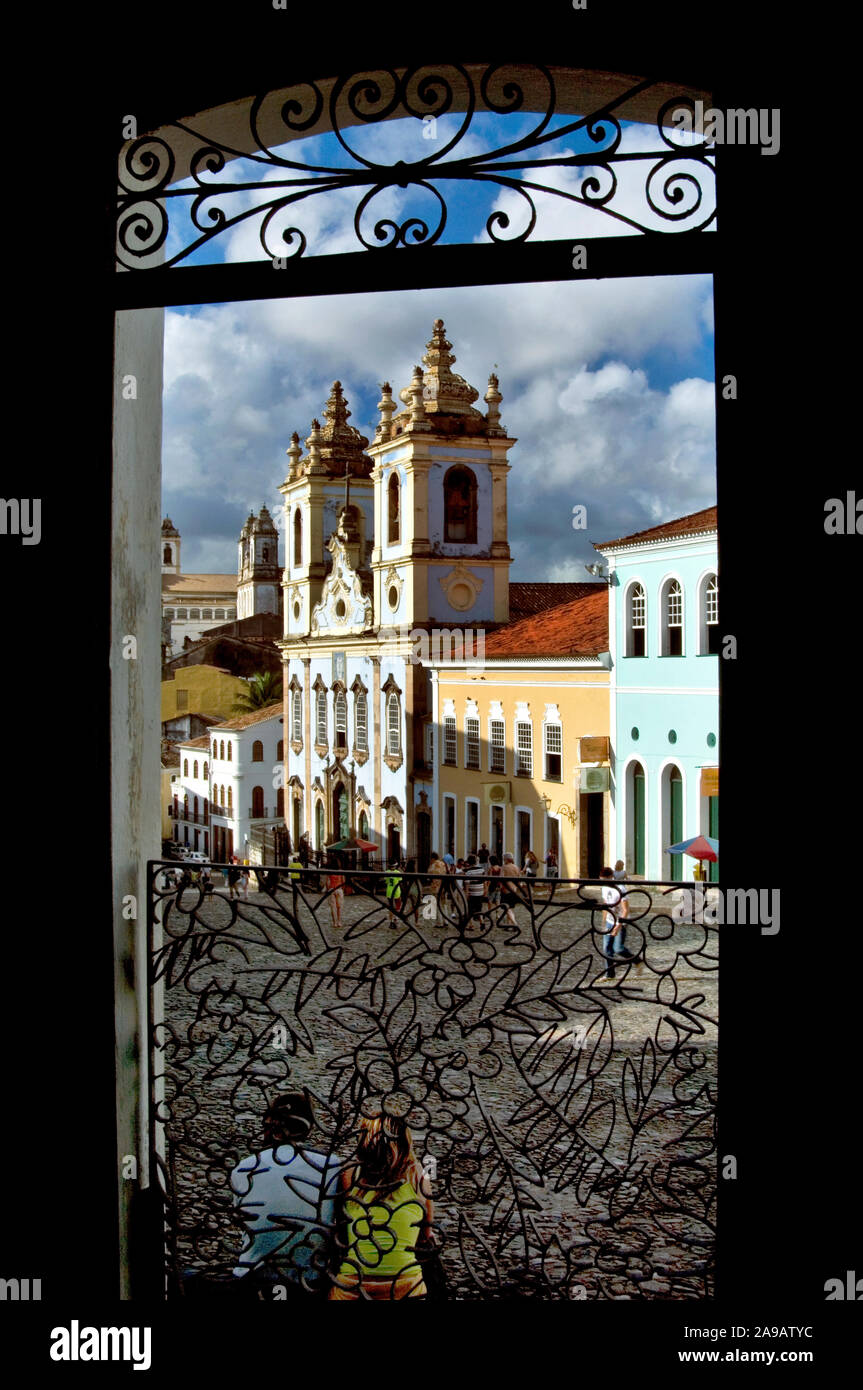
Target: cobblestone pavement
(571, 1125)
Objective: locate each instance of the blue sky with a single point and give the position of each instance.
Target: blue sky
(608, 385)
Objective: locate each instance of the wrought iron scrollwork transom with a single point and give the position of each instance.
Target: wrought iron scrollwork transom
(675, 193)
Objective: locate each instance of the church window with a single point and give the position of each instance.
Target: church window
(222, 750)
(257, 751)
(459, 492)
(429, 744)
(194, 614)
(265, 553)
(636, 621)
(321, 719)
(341, 705)
(206, 612)
(230, 751)
(206, 771)
(230, 801)
(450, 743)
(672, 619)
(181, 613)
(523, 749)
(218, 613)
(185, 767)
(361, 722)
(553, 736)
(298, 537)
(167, 557)
(471, 752)
(394, 725)
(497, 759)
(296, 717)
(393, 507)
(195, 768)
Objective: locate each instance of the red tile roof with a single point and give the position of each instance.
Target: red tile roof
(257, 716)
(684, 526)
(577, 628)
(527, 598)
(202, 742)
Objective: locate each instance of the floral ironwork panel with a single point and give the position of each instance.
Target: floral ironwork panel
(486, 1099)
(415, 157)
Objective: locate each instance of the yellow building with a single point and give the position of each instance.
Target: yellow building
(523, 735)
(206, 691)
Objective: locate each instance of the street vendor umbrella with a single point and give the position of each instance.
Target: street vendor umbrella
(364, 845)
(699, 847)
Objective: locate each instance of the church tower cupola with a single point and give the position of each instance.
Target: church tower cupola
(441, 552)
(258, 577)
(170, 547)
(328, 492)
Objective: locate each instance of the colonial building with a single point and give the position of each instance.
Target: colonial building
(246, 755)
(387, 542)
(521, 760)
(195, 603)
(664, 642)
(194, 697)
(190, 792)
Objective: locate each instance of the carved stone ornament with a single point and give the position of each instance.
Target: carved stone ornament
(461, 588)
(344, 604)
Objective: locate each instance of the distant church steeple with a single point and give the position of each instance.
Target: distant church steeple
(258, 577)
(170, 547)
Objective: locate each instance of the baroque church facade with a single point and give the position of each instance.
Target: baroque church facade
(390, 544)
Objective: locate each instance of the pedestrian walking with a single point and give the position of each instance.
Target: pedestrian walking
(233, 880)
(530, 866)
(475, 876)
(493, 881)
(482, 855)
(393, 886)
(509, 895)
(551, 865)
(614, 935)
(336, 889)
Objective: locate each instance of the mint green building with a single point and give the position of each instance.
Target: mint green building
(664, 640)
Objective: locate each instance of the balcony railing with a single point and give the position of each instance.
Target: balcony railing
(566, 1122)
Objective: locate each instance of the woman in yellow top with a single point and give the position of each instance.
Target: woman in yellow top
(387, 1212)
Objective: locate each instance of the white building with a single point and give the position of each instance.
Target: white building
(385, 542)
(190, 789)
(246, 756)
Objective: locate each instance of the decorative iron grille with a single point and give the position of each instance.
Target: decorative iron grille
(567, 1126)
(161, 174)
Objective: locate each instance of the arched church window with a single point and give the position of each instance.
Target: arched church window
(361, 723)
(394, 726)
(321, 720)
(393, 503)
(459, 492)
(257, 751)
(341, 709)
(298, 537)
(166, 556)
(265, 553)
